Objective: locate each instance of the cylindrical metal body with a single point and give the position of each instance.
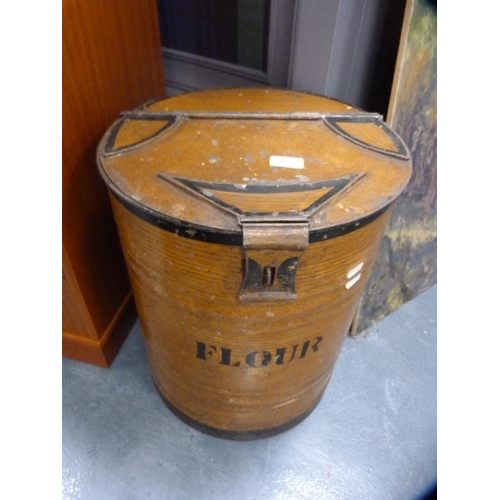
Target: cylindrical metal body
(250, 221)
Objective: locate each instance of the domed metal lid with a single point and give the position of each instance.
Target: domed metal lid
(205, 164)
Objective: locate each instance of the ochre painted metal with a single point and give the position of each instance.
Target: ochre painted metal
(250, 221)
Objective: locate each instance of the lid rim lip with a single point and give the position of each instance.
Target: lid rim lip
(233, 235)
(207, 234)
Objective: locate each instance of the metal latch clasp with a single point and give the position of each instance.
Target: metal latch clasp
(272, 248)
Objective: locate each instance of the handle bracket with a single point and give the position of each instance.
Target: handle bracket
(272, 250)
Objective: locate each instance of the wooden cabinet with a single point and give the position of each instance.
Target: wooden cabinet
(111, 62)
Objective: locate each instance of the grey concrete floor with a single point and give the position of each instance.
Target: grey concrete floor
(373, 435)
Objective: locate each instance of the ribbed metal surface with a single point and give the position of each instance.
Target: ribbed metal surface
(372, 437)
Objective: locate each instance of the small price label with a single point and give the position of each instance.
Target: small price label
(286, 162)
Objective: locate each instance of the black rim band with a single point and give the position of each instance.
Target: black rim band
(237, 435)
(211, 235)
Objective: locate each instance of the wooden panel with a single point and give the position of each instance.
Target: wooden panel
(76, 317)
(111, 62)
(103, 351)
(72, 316)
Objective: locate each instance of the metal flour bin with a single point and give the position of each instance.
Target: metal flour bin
(250, 221)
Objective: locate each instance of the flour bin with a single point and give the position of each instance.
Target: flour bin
(250, 221)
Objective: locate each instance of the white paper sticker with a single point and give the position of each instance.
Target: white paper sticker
(286, 162)
(355, 270)
(351, 282)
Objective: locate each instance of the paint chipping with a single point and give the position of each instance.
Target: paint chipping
(177, 209)
(270, 314)
(302, 178)
(213, 159)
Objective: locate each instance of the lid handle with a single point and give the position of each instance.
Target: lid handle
(272, 251)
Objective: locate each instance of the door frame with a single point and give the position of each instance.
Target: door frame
(325, 47)
(189, 72)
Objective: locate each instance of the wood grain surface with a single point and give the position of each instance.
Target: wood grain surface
(111, 62)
